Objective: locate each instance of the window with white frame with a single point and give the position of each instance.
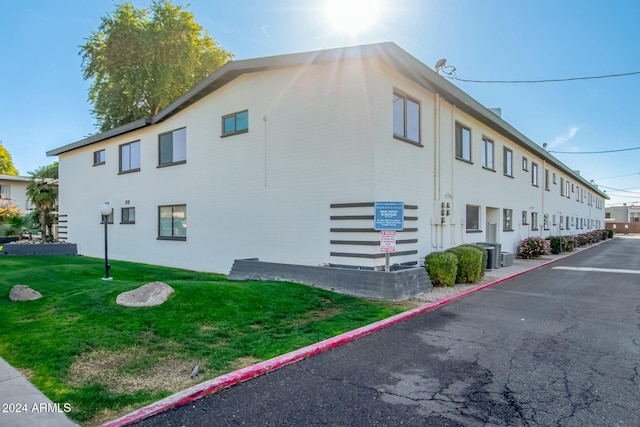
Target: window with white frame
(463, 142)
(525, 164)
(534, 220)
(525, 218)
(406, 117)
(473, 218)
(5, 191)
(534, 174)
(487, 153)
(172, 147)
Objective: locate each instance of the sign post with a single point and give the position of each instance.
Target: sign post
(388, 218)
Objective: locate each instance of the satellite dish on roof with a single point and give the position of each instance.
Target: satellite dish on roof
(441, 63)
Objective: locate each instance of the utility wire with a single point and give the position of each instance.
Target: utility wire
(618, 189)
(594, 152)
(452, 76)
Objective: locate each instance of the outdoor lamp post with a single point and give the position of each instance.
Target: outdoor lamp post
(105, 211)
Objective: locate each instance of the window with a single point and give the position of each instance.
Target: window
(130, 157)
(546, 179)
(534, 220)
(555, 222)
(235, 123)
(561, 222)
(507, 220)
(525, 218)
(525, 164)
(406, 118)
(554, 178)
(473, 218)
(534, 174)
(172, 147)
(5, 191)
(561, 186)
(463, 142)
(172, 222)
(487, 153)
(99, 157)
(128, 216)
(545, 221)
(567, 189)
(507, 162)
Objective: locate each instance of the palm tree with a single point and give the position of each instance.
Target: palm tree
(20, 225)
(42, 190)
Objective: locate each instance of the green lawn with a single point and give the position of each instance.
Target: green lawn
(79, 347)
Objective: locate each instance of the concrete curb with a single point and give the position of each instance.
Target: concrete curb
(219, 383)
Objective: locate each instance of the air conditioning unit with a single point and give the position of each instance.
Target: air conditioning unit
(506, 259)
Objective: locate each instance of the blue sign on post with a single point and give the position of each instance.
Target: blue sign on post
(388, 216)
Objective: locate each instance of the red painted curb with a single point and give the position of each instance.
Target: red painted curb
(216, 384)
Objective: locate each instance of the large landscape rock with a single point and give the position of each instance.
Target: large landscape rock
(149, 295)
(23, 293)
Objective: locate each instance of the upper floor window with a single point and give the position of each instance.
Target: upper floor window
(507, 162)
(5, 191)
(130, 157)
(99, 157)
(172, 147)
(235, 123)
(463, 142)
(487, 153)
(534, 174)
(406, 118)
(525, 164)
(546, 179)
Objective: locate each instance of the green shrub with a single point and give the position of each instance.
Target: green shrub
(582, 239)
(469, 264)
(569, 243)
(556, 244)
(609, 233)
(441, 268)
(484, 252)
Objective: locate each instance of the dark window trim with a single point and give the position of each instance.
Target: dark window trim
(486, 139)
(173, 163)
(159, 237)
(235, 132)
(455, 141)
(94, 157)
(120, 171)
(506, 150)
(122, 221)
(405, 98)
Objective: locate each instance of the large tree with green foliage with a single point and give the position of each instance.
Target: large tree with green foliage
(6, 164)
(141, 60)
(42, 190)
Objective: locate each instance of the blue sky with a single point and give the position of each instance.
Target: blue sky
(43, 102)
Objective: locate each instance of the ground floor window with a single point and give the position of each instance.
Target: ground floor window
(473, 218)
(507, 219)
(128, 215)
(172, 222)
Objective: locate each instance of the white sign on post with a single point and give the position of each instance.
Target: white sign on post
(387, 241)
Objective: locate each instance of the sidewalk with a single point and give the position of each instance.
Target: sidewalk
(22, 404)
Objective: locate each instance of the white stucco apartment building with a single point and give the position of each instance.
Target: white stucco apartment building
(13, 190)
(281, 158)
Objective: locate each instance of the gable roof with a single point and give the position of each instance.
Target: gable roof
(389, 53)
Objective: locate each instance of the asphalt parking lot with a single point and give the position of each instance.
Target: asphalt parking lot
(556, 346)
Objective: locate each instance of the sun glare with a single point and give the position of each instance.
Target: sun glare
(352, 17)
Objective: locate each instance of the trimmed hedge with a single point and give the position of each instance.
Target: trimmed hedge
(441, 268)
(485, 255)
(469, 264)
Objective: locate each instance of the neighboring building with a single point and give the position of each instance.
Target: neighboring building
(13, 190)
(282, 158)
(623, 219)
